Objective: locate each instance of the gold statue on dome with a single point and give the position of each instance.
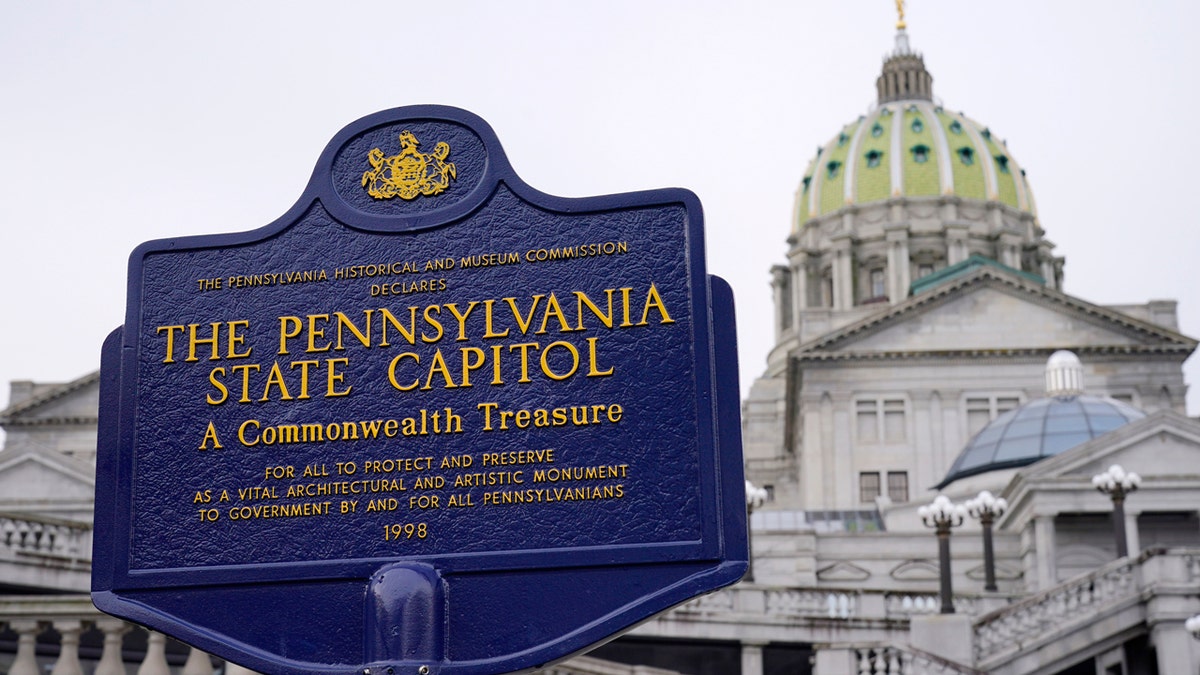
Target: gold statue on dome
(900, 25)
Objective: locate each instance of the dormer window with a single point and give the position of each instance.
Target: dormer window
(955, 127)
(831, 169)
(987, 133)
(807, 181)
(873, 158)
(920, 153)
(966, 155)
(877, 130)
(1002, 163)
(918, 126)
(842, 138)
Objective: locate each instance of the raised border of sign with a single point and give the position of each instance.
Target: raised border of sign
(719, 557)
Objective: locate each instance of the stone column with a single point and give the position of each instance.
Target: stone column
(155, 662)
(1047, 570)
(752, 659)
(25, 662)
(111, 661)
(1010, 250)
(899, 270)
(843, 272)
(799, 263)
(1175, 648)
(957, 249)
(779, 289)
(68, 654)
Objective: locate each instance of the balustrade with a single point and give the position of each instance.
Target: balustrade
(32, 534)
(62, 634)
(892, 660)
(1071, 602)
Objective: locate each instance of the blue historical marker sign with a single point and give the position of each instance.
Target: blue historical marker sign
(429, 421)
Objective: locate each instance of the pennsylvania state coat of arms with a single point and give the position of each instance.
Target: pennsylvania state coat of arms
(409, 172)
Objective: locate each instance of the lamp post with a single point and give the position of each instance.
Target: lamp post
(943, 515)
(755, 497)
(1116, 484)
(986, 509)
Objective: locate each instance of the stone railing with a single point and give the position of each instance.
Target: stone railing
(903, 605)
(42, 536)
(893, 660)
(66, 635)
(832, 603)
(1075, 601)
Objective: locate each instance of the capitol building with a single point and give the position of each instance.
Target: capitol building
(923, 346)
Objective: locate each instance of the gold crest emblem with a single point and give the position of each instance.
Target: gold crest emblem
(409, 172)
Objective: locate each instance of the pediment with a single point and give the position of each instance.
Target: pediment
(994, 311)
(34, 477)
(915, 570)
(1003, 573)
(843, 571)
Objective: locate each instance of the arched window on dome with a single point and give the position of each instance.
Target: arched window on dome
(955, 127)
(874, 157)
(831, 169)
(1002, 163)
(917, 125)
(920, 153)
(807, 181)
(842, 139)
(877, 130)
(966, 155)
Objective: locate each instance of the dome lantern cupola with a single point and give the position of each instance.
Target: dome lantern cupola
(904, 77)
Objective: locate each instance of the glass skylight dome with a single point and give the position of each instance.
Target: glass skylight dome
(1044, 427)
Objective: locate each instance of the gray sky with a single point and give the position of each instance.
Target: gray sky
(123, 122)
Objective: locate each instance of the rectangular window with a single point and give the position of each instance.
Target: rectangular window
(979, 413)
(1004, 404)
(981, 410)
(868, 426)
(893, 421)
(898, 486)
(924, 270)
(868, 486)
(880, 420)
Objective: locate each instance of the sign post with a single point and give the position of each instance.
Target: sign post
(429, 421)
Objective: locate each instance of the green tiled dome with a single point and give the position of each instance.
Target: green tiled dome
(911, 149)
(909, 146)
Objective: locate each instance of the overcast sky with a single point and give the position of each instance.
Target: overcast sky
(123, 122)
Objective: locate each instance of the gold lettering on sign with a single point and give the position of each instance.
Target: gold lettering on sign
(409, 172)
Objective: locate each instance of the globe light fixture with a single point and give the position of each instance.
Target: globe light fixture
(1116, 483)
(942, 515)
(1193, 626)
(986, 509)
(755, 497)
